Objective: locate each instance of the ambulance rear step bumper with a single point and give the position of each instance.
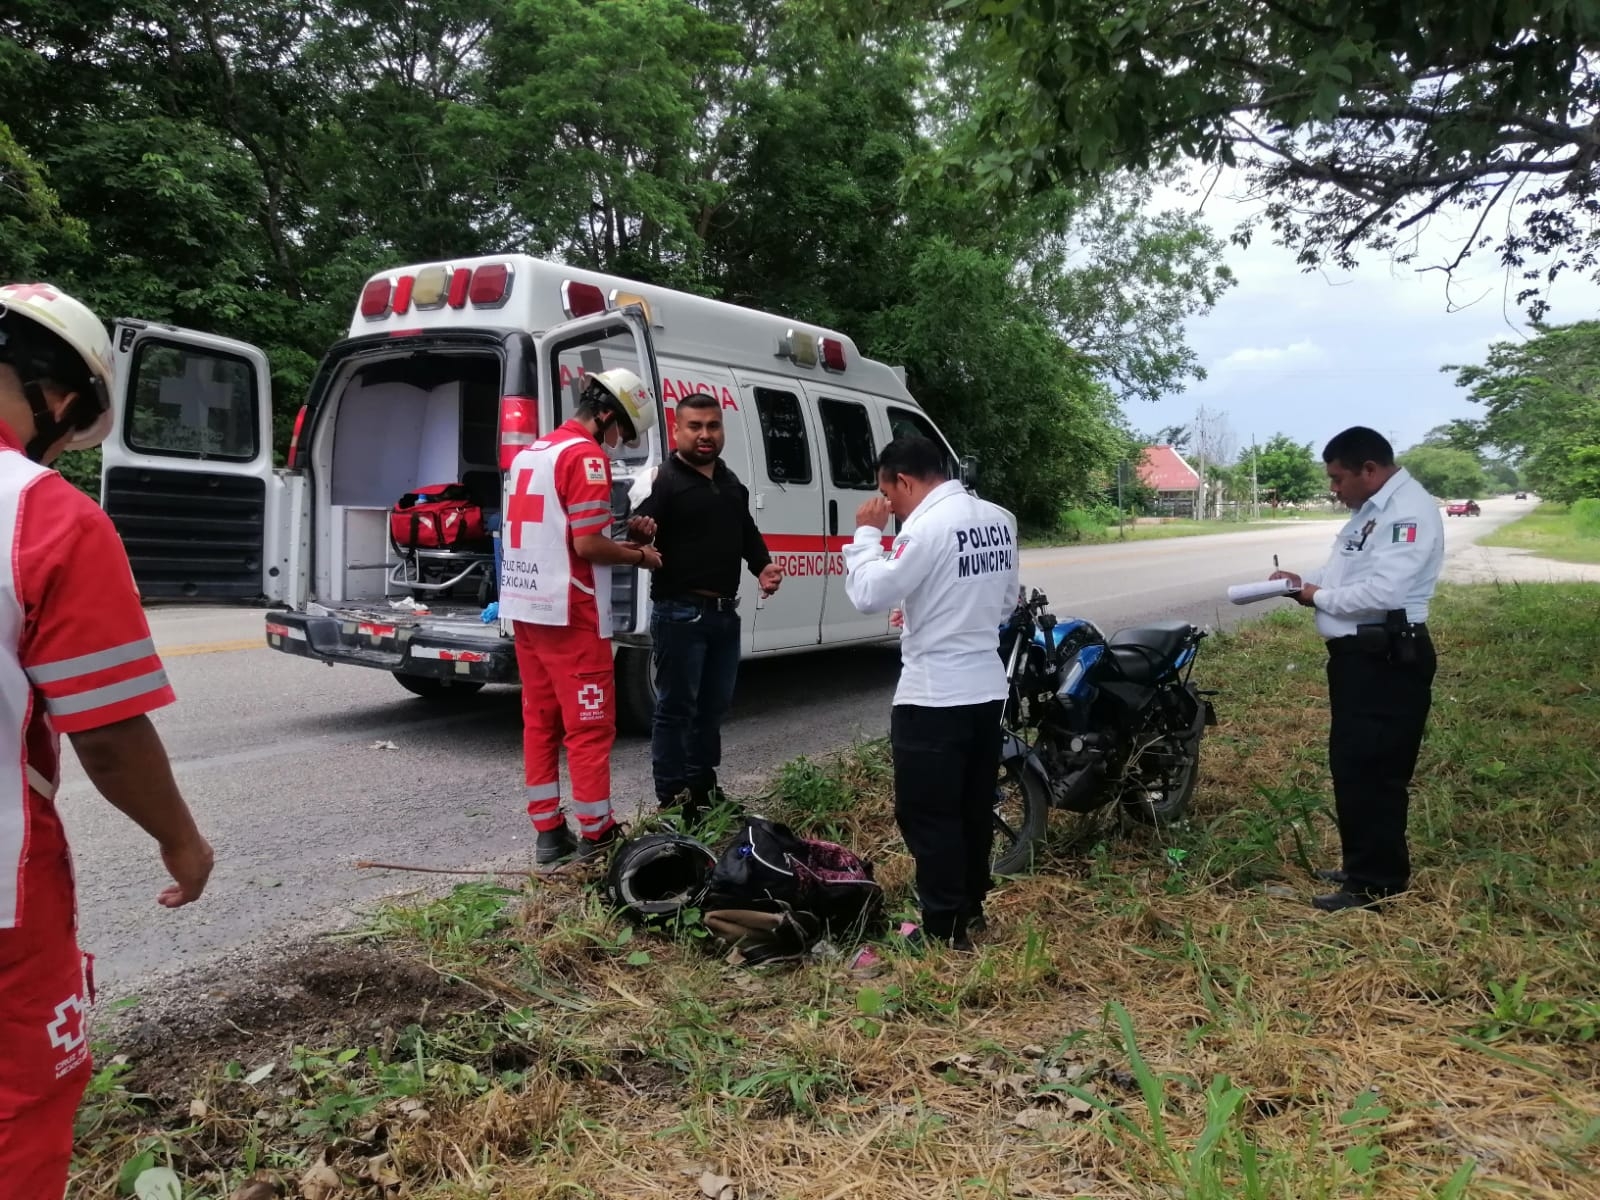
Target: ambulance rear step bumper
(407, 646)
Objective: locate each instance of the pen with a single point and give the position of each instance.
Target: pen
(1274, 562)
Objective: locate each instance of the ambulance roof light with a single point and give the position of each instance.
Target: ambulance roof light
(832, 354)
(427, 291)
(798, 347)
(581, 299)
(402, 295)
(491, 285)
(375, 298)
(459, 283)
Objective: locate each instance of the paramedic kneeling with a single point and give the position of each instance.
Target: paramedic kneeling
(75, 658)
(698, 513)
(1371, 599)
(555, 587)
(952, 572)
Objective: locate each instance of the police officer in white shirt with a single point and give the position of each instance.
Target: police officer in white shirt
(952, 571)
(1371, 600)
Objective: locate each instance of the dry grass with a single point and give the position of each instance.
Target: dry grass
(1149, 1017)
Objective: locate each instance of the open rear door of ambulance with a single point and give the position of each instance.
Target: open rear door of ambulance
(187, 476)
(618, 337)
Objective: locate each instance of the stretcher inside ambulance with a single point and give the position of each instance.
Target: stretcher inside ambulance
(449, 370)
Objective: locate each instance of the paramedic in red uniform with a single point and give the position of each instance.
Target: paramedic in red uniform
(75, 658)
(555, 587)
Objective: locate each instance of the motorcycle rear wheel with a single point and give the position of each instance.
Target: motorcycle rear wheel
(1021, 815)
(1167, 803)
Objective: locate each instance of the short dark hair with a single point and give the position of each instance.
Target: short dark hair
(1356, 447)
(700, 400)
(914, 455)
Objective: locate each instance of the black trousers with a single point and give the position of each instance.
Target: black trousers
(946, 762)
(1379, 710)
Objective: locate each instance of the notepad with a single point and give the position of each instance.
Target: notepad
(1247, 593)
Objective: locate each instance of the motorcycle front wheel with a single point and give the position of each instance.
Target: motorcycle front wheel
(1021, 813)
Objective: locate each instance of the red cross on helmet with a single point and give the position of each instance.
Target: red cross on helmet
(45, 334)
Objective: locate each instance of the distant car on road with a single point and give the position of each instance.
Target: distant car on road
(1522, 495)
(1463, 508)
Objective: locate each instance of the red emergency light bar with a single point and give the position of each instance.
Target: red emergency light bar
(832, 354)
(489, 286)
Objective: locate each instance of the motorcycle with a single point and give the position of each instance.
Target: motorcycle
(1092, 721)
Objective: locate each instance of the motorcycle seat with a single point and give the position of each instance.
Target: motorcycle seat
(1146, 653)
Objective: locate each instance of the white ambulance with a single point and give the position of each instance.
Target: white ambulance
(448, 371)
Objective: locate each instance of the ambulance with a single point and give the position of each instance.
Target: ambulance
(448, 371)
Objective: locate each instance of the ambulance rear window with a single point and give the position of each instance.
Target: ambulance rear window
(783, 433)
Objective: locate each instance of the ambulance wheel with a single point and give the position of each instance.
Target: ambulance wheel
(636, 690)
(437, 689)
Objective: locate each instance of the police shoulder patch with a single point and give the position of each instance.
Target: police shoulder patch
(900, 547)
(1403, 531)
(594, 470)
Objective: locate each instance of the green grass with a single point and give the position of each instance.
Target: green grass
(1554, 531)
(1145, 1019)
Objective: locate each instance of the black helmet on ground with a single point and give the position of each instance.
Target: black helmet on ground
(658, 875)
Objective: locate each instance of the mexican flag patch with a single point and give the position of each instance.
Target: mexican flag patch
(1404, 531)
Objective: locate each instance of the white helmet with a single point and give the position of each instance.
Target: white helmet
(636, 415)
(64, 342)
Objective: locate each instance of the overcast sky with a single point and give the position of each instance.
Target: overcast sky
(1309, 354)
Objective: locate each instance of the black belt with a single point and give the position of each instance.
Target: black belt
(709, 603)
(1351, 643)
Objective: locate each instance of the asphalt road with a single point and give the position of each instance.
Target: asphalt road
(277, 755)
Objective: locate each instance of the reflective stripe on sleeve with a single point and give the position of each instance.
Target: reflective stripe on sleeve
(112, 693)
(584, 506)
(592, 524)
(88, 664)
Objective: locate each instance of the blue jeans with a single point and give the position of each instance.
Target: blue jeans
(695, 654)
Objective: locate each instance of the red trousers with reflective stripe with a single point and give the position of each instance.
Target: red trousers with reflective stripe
(45, 993)
(567, 697)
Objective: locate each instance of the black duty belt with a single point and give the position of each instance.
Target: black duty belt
(709, 603)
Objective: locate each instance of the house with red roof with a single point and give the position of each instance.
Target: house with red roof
(1164, 471)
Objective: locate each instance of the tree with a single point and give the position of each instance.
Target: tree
(1286, 470)
(1541, 400)
(1445, 472)
(1357, 119)
(243, 168)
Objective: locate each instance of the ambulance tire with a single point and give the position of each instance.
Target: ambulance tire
(437, 690)
(636, 691)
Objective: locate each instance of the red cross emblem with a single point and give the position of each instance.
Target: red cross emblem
(34, 291)
(66, 1031)
(523, 507)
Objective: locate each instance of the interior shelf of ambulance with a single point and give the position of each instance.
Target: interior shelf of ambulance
(400, 424)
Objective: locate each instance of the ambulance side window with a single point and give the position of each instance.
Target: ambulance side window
(192, 403)
(905, 423)
(783, 434)
(852, 458)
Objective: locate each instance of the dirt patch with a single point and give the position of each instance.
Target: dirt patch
(319, 994)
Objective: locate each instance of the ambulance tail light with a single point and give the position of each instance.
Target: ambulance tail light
(519, 426)
(460, 283)
(294, 438)
(832, 350)
(490, 286)
(375, 299)
(581, 299)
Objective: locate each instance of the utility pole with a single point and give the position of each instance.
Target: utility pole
(1255, 490)
(1122, 515)
(1200, 457)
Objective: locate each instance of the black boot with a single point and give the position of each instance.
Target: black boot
(553, 845)
(1330, 874)
(592, 848)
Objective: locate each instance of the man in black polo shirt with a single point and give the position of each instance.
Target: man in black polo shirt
(698, 514)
